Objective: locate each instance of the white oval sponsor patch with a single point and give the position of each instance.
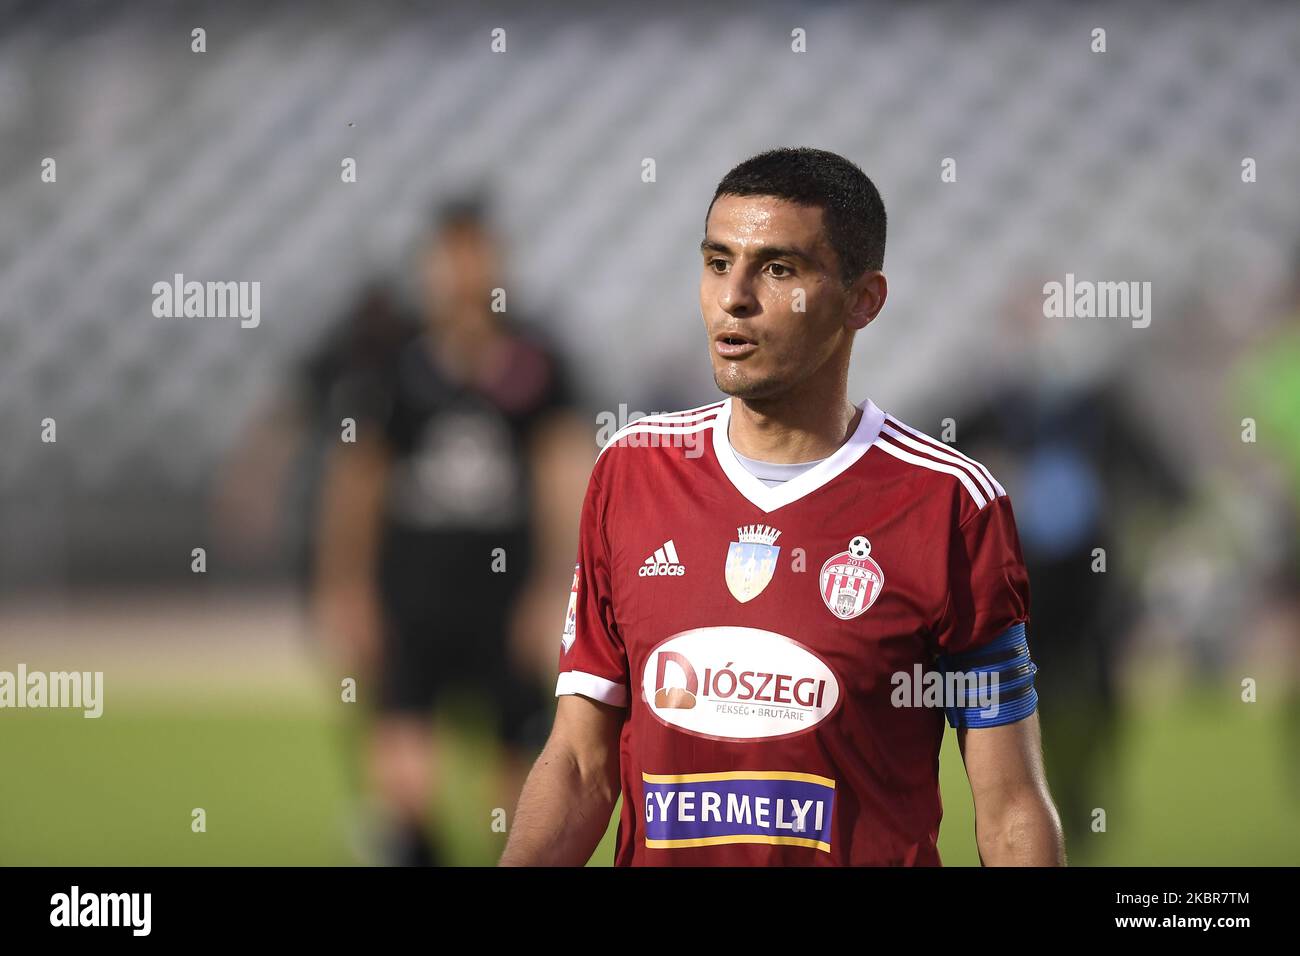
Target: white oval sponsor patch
(738, 683)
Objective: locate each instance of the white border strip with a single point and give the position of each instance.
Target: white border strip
(589, 685)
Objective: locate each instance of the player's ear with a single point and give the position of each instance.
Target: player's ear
(867, 297)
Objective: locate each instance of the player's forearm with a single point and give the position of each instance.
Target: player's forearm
(1025, 831)
(562, 813)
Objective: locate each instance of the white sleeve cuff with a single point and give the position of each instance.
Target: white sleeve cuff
(589, 685)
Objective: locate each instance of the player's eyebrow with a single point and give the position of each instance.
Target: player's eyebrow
(763, 252)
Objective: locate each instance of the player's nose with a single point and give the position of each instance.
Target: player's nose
(736, 297)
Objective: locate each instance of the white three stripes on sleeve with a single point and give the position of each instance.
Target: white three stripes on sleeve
(974, 477)
(935, 443)
(669, 423)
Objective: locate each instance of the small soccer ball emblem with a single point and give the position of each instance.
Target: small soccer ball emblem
(859, 547)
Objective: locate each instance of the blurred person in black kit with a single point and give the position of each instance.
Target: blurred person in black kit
(268, 491)
(447, 531)
(1079, 461)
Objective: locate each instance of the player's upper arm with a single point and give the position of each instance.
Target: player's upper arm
(982, 639)
(350, 507)
(588, 731)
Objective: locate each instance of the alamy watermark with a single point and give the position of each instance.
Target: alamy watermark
(75, 908)
(677, 431)
(82, 690)
(946, 689)
(1085, 299)
(208, 300)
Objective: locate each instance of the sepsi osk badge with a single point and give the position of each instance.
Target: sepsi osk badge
(851, 580)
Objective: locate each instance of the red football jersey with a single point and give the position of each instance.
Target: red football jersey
(756, 636)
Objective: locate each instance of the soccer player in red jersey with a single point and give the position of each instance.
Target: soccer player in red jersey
(780, 596)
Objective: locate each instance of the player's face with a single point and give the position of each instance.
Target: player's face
(773, 304)
(460, 269)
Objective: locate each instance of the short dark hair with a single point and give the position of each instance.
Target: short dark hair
(471, 208)
(851, 206)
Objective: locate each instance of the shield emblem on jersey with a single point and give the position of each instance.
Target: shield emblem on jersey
(850, 583)
(751, 561)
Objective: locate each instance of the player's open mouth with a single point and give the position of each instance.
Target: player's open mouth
(732, 346)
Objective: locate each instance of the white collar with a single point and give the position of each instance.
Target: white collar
(770, 499)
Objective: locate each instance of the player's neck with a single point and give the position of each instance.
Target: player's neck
(468, 352)
(792, 431)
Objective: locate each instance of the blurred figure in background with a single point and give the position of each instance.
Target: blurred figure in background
(447, 531)
(267, 494)
(1079, 464)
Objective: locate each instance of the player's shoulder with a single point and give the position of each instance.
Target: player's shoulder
(675, 434)
(939, 464)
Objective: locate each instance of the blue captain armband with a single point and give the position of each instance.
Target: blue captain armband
(992, 685)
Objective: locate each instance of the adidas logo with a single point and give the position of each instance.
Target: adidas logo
(663, 562)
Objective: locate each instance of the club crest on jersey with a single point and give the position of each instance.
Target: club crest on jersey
(851, 580)
(751, 561)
